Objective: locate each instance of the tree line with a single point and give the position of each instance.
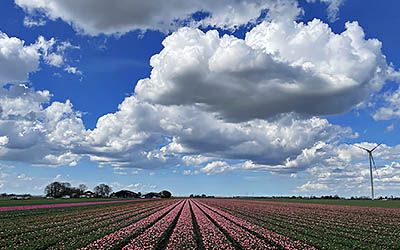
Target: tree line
(60, 189)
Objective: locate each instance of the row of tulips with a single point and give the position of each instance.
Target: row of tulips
(325, 226)
(183, 236)
(154, 236)
(119, 237)
(64, 220)
(70, 227)
(84, 235)
(289, 227)
(211, 236)
(241, 237)
(280, 241)
(217, 229)
(352, 218)
(202, 224)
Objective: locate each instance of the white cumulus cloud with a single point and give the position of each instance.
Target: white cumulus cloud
(391, 107)
(112, 17)
(17, 60)
(215, 167)
(309, 186)
(333, 8)
(131, 136)
(37, 134)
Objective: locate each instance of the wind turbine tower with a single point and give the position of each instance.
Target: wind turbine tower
(371, 162)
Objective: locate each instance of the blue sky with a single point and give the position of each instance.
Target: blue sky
(216, 115)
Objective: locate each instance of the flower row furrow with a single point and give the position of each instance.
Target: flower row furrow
(149, 238)
(109, 241)
(72, 221)
(211, 236)
(323, 226)
(241, 236)
(90, 232)
(277, 239)
(183, 235)
(76, 230)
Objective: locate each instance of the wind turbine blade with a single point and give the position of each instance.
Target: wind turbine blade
(376, 147)
(360, 147)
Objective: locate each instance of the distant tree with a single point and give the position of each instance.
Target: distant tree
(66, 184)
(165, 194)
(65, 188)
(102, 190)
(82, 188)
(55, 190)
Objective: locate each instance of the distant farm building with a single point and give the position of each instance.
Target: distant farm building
(126, 194)
(152, 195)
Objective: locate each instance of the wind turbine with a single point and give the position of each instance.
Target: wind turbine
(371, 161)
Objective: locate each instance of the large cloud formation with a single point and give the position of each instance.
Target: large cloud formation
(131, 136)
(253, 101)
(36, 134)
(217, 104)
(94, 17)
(279, 67)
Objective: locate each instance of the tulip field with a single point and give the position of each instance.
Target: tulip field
(200, 224)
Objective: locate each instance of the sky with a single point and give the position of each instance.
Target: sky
(258, 97)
